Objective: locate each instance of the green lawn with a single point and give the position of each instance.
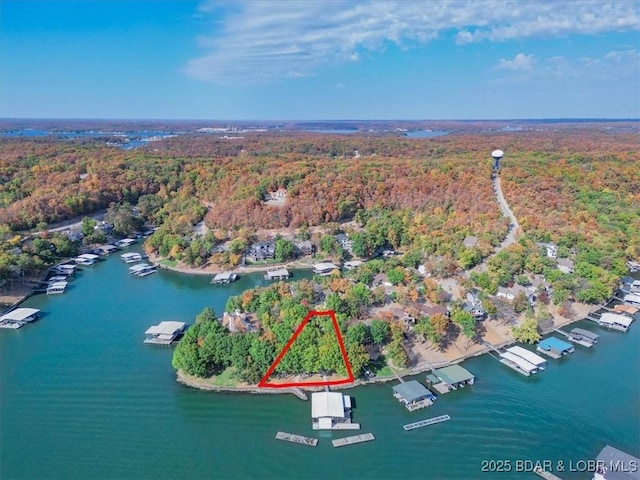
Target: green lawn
(226, 378)
(168, 263)
(385, 372)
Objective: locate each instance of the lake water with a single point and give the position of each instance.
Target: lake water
(81, 397)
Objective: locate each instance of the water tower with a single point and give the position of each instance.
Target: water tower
(497, 156)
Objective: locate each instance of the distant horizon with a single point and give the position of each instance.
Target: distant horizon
(324, 120)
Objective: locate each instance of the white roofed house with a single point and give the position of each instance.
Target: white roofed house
(331, 411)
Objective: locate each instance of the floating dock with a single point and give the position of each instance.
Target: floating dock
(293, 438)
(343, 442)
(426, 422)
(518, 364)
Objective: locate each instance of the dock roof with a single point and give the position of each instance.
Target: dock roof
(528, 355)
(165, 328)
(278, 272)
(19, 314)
(325, 266)
(519, 361)
(585, 333)
(327, 404)
(610, 456)
(223, 276)
(139, 267)
(554, 343)
(612, 318)
(411, 391)
(454, 374)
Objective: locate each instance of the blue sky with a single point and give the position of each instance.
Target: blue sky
(293, 60)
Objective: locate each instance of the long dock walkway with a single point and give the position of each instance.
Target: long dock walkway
(342, 442)
(426, 422)
(293, 438)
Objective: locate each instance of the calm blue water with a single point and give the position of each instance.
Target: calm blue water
(82, 397)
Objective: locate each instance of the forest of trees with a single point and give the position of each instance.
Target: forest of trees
(577, 187)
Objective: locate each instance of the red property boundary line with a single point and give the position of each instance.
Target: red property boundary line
(331, 313)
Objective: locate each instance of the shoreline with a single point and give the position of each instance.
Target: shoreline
(300, 392)
(212, 270)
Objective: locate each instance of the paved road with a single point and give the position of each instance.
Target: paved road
(514, 228)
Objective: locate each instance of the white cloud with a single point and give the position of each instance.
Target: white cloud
(615, 65)
(520, 63)
(255, 41)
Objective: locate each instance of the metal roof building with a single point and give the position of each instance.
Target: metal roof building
(331, 411)
(554, 347)
(614, 464)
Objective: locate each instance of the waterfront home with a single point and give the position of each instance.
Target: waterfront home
(74, 234)
(131, 257)
(554, 347)
(56, 288)
(450, 378)
(125, 242)
(324, 268)
(381, 279)
(304, 247)
(518, 363)
(477, 312)
(165, 333)
(470, 242)
(86, 259)
(615, 321)
(238, 322)
(583, 337)
(331, 411)
(277, 274)
(510, 293)
(142, 270)
(66, 269)
(344, 241)
(632, 299)
(18, 317)
(565, 265)
(224, 277)
(614, 464)
(262, 251)
(529, 356)
(431, 310)
(413, 395)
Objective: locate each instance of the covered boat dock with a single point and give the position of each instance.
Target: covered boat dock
(529, 356)
(277, 274)
(554, 347)
(517, 363)
(450, 378)
(18, 317)
(413, 395)
(583, 337)
(615, 321)
(165, 333)
(224, 277)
